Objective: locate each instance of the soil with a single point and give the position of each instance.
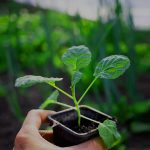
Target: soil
(85, 126)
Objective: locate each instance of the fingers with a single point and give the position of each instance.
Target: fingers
(36, 117)
(29, 133)
(33, 122)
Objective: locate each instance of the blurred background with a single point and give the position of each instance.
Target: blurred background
(35, 33)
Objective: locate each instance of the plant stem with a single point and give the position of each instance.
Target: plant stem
(90, 119)
(76, 105)
(87, 90)
(62, 91)
(64, 105)
(48, 102)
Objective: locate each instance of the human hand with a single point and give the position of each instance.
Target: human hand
(29, 137)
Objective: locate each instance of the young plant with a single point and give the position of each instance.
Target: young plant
(76, 59)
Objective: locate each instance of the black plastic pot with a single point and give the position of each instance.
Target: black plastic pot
(65, 126)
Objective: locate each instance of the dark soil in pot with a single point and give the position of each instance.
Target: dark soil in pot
(66, 130)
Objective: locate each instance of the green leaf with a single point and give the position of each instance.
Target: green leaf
(112, 67)
(50, 100)
(30, 80)
(76, 78)
(53, 96)
(77, 57)
(108, 132)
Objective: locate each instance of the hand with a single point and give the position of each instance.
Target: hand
(29, 137)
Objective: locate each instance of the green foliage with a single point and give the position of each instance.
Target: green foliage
(77, 57)
(76, 78)
(108, 132)
(50, 100)
(139, 127)
(112, 67)
(30, 80)
(141, 107)
(54, 95)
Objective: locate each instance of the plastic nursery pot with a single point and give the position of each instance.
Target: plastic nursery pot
(66, 131)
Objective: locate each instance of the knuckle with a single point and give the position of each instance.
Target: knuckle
(39, 112)
(34, 111)
(21, 139)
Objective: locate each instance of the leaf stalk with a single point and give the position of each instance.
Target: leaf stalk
(62, 91)
(87, 90)
(48, 102)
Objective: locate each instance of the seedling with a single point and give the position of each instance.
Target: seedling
(77, 58)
